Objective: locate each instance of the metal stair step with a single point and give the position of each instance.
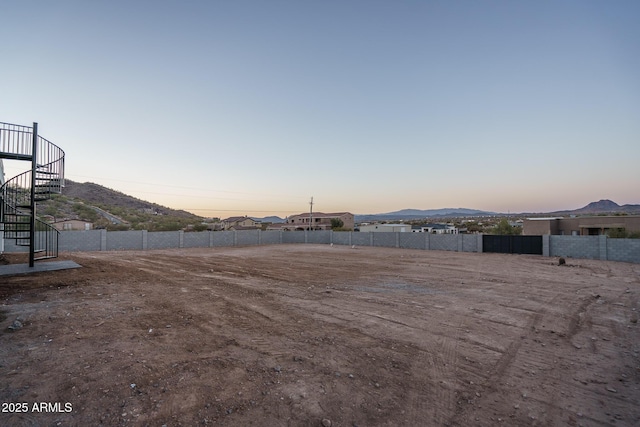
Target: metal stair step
(14, 156)
(20, 193)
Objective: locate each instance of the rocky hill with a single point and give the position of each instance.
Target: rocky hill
(96, 194)
(111, 209)
(604, 206)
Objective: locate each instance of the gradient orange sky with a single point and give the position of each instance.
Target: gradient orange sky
(233, 108)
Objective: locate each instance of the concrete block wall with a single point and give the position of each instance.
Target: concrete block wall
(627, 250)
(294, 236)
(574, 246)
(385, 239)
(341, 238)
(443, 242)
(412, 240)
(83, 241)
(223, 238)
(197, 240)
(469, 242)
(247, 237)
(319, 237)
(589, 247)
(11, 247)
(124, 240)
(163, 239)
(271, 237)
(361, 239)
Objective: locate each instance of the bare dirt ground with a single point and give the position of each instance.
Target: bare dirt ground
(299, 335)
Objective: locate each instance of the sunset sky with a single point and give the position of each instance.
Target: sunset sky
(251, 107)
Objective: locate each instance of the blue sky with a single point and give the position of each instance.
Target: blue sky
(252, 107)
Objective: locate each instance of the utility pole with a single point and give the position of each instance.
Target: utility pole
(310, 213)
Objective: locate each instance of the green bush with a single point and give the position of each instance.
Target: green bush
(622, 233)
(503, 228)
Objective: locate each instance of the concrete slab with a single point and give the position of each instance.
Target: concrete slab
(18, 269)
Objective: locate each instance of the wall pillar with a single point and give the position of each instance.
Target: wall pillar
(602, 243)
(103, 239)
(181, 239)
(546, 245)
(479, 250)
(145, 241)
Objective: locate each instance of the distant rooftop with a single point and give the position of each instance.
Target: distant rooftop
(545, 219)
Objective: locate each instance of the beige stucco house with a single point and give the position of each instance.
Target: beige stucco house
(239, 223)
(72, 225)
(580, 225)
(318, 221)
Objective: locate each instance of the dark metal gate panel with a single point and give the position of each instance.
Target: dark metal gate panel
(512, 244)
(498, 244)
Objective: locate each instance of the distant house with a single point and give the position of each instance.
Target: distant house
(435, 229)
(240, 223)
(581, 225)
(72, 225)
(386, 228)
(314, 221)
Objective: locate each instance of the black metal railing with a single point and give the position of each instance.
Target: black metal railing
(16, 141)
(46, 240)
(21, 193)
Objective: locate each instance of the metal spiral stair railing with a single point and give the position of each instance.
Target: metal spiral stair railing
(20, 194)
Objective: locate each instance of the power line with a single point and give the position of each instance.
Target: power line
(236, 210)
(155, 184)
(209, 197)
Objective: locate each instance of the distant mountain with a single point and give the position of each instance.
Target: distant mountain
(408, 214)
(593, 208)
(271, 219)
(602, 207)
(439, 212)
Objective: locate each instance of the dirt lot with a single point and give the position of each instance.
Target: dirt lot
(319, 335)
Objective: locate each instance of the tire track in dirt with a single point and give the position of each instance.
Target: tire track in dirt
(455, 344)
(446, 373)
(492, 377)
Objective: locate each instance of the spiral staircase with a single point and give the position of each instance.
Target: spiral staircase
(19, 195)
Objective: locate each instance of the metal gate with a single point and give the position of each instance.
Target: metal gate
(512, 244)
